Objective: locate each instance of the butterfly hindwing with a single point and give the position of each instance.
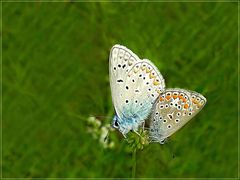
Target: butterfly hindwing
(172, 110)
(143, 85)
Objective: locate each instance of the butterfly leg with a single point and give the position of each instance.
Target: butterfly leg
(137, 133)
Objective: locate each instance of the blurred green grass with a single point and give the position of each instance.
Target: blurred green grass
(55, 74)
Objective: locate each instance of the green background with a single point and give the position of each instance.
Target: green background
(55, 75)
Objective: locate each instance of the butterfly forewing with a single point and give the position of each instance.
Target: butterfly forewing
(172, 110)
(121, 60)
(135, 84)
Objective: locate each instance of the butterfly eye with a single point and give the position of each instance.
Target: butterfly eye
(116, 124)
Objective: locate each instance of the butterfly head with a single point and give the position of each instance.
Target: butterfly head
(122, 127)
(115, 122)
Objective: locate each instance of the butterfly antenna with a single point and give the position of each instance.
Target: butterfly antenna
(137, 133)
(106, 138)
(171, 150)
(106, 117)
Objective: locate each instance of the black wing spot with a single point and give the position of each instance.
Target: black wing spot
(133, 80)
(119, 80)
(170, 116)
(126, 101)
(136, 90)
(119, 65)
(126, 87)
(124, 66)
(114, 68)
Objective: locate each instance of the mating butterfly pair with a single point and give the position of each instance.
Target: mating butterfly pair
(138, 91)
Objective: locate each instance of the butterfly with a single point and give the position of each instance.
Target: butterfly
(135, 86)
(172, 110)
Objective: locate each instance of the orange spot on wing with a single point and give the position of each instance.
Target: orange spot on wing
(180, 97)
(175, 96)
(194, 101)
(168, 97)
(186, 106)
(184, 100)
(156, 83)
(161, 99)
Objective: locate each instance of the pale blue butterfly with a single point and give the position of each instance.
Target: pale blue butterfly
(135, 85)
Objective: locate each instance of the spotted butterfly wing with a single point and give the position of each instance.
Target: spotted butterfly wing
(173, 109)
(135, 85)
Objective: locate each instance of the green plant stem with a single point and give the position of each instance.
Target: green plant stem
(134, 163)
